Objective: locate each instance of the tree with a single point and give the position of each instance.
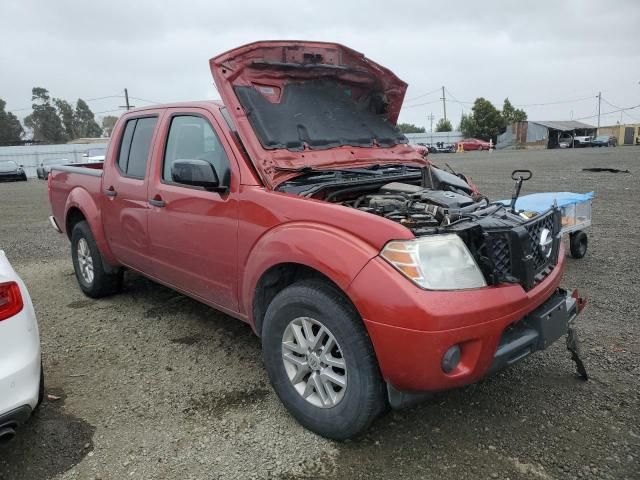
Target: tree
(510, 114)
(85, 125)
(108, 123)
(410, 128)
(484, 122)
(44, 120)
(10, 128)
(444, 125)
(468, 125)
(67, 116)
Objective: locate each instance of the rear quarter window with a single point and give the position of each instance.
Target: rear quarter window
(135, 146)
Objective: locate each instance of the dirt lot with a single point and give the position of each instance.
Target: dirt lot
(155, 385)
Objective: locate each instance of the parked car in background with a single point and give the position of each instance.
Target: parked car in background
(21, 377)
(95, 154)
(582, 141)
(565, 141)
(473, 144)
(11, 171)
(45, 167)
(441, 147)
(604, 141)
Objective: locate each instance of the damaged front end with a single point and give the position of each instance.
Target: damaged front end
(450, 219)
(507, 246)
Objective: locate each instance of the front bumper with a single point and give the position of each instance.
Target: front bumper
(537, 330)
(411, 329)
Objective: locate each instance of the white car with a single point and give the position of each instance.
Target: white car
(21, 378)
(95, 154)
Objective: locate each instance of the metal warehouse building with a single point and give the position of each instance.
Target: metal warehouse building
(542, 134)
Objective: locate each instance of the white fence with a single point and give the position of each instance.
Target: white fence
(31, 156)
(434, 137)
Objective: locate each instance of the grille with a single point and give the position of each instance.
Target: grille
(534, 231)
(501, 255)
(515, 253)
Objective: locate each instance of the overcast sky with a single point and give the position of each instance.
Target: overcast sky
(532, 52)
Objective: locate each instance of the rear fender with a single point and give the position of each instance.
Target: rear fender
(82, 200)
(333, 252)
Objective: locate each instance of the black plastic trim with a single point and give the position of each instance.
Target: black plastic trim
(15, 417)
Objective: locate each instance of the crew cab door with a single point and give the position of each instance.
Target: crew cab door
(124, 195)
(194, 232)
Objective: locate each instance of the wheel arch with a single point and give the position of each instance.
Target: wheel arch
(276, 279)
(80, 206)
(299, 250)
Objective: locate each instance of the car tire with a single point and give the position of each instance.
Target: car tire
(89, 266)
(340, 414)
(578, 244)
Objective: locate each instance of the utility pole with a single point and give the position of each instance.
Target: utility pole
(430, 117)
(128, 106)
(444, 104)
(599, 102)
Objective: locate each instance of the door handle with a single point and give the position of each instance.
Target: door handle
(110, 192)
(157, 202)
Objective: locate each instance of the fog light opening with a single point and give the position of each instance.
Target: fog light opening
(451, 359)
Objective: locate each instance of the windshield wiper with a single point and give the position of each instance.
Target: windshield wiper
(308, 169)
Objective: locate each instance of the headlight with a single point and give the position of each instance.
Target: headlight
(438, 262)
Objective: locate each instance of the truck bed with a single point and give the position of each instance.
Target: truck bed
(66, 178)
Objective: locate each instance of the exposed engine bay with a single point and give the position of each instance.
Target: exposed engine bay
(435, 203)
(508, 245)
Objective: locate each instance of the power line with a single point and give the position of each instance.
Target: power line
(619, 109)
(85, 99)
(145, 100)
(421, 104)
(559, 102)
(423, 95)
(609, 113)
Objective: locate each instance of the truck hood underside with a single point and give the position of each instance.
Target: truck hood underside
(311, 104)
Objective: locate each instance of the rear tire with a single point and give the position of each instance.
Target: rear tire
(322, 331)
(88, 264)
(578, 244)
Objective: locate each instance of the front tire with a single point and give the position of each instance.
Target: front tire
(88, 264)
(320, 360)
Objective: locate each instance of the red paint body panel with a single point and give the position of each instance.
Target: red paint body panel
(412, 328)
(237, 67)
(215, 246)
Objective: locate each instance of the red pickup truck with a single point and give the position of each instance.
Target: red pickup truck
(295, 205)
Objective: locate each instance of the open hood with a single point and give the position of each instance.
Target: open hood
(311, 104)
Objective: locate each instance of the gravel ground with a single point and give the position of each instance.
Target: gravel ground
(155, 385)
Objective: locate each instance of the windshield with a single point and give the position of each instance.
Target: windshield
(603, 138)
(8, 164)
(320, 114)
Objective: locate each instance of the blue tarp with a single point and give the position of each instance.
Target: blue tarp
(541, 202)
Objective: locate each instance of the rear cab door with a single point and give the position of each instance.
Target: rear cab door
(124, 203)
(194, 232)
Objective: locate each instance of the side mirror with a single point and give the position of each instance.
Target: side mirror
(197, 173)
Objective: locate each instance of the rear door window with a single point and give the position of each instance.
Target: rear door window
(135, 146)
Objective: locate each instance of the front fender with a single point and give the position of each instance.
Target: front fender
(331, 251)
(82, 200)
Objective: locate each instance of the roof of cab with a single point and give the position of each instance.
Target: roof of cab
(193, 104)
